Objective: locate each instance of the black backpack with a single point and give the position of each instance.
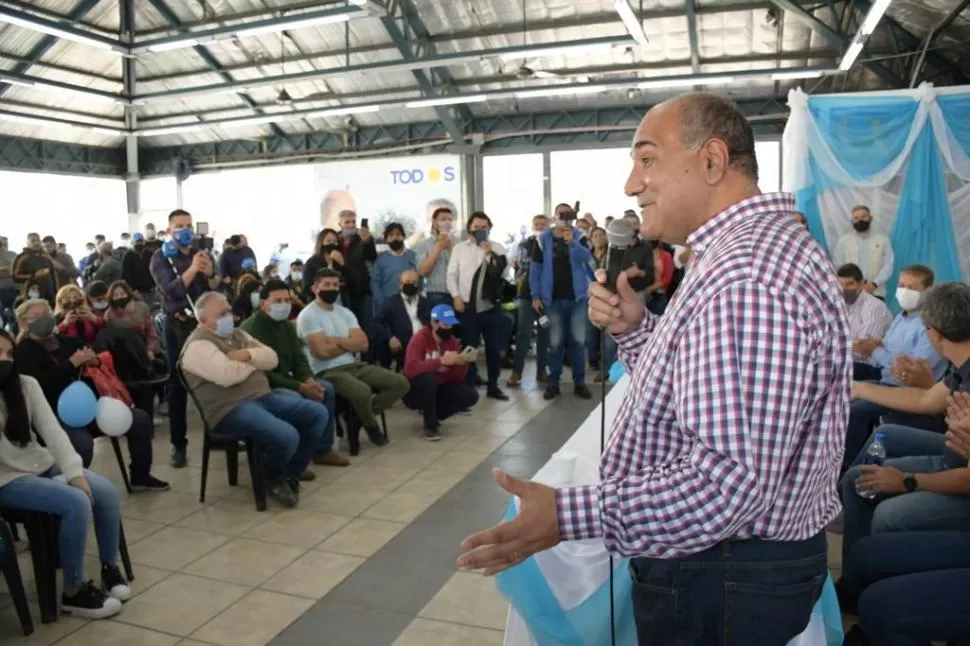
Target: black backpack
(128, 350)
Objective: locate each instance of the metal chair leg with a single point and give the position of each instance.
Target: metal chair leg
(255, 459)
(15, 582)
(116, 445)
(206, 450)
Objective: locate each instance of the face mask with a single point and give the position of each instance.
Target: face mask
(409, 289)
(254, 299)
(225, 326)
(296, 275)
(862, 225)
(6, 367)
(42, 327)
(445, 227)
(850, 297)
(99, 305)
(328, 296)
(150, 234)
(183, 236)
(396, 245)
(121, 303)
(445, 334)
(908, 299)
(481, 235)
(349, 232)
(328, 248)
(33, 295)
(280, 311)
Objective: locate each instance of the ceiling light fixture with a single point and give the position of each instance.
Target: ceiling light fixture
(259, 120)
(561, 91)
(850, 56)
(175, 44)
(300, 24)
(876, 11)
(47, 122)
(555, 50)
(93, 95)
(47, 27)
(631, 21)
(450, 100)
(797, 74)
(672, 83)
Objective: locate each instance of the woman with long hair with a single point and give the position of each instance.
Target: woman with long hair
(49, 478)
(247, 298)
(126, 308)
(74, 316)
(327, 256)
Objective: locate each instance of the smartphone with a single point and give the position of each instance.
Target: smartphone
(364, 223)
(202, 228)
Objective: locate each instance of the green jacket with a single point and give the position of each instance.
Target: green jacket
(293, 368)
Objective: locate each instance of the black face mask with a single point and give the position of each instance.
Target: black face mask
(409, 289)
(328, 248)
(445, 334)
(396, 245)
(861, 225)
(6, 367)
(328, 296)
(121, 303)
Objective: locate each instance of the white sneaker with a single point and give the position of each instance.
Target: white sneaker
(90, 602)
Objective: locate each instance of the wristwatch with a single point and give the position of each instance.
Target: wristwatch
(910, 483)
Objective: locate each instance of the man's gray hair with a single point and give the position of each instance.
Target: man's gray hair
(946, 309)
(347, 213)
(203, 301)
(708, 116)
(21, 313)
(106, 248)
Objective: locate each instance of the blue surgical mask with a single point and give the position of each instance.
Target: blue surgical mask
(254, 299)
(183, 236)
(280, 311)
(225, 326)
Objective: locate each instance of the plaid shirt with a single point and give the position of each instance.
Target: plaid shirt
(733, 426)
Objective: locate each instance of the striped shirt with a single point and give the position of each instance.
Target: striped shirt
(733, 426)
(869, 318)
(437, 278)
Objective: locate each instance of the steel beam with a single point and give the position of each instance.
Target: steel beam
(520, 132)
(126, 10)
(60, 67)
(950, 17)
(37, 52)
(31, 9)
(695, 54)
(427, 88)
(14, 78)
(210, 60)
(837, 39)
(21, 154)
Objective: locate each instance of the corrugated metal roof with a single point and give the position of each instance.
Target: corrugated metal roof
(737, 36)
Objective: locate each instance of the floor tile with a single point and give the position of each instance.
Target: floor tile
(44, 634)
(423, 632)
(145, 577)
(400, 507)
(469, 599)
(299, 528)
(114, 633)
(387, 478)
(225, 518)
(245, 561)
(460, 461)
(253, 620)
(362, 537)
(342, 501)
(431, 482)
(314, 574)
(166, 507)
(181, 604)
(174, 547)
(344, 624)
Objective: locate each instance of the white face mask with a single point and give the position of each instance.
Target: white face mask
(297, 276)
(254, 299)
(907, 298)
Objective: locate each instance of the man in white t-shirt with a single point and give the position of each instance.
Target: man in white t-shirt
(332, 336)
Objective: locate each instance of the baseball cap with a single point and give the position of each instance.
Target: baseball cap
(137, 237)
(444, 314)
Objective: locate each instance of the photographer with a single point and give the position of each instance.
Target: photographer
(559, 281)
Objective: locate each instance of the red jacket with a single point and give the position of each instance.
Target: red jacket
(423, 356)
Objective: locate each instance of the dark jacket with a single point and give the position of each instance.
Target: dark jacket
(314, 264)
(52, 369)
(293, 368)
(230, 262)
(357, 255)
(393, 319)
(136, 269)
(29, 264)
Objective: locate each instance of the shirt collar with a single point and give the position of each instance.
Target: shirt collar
(757, 205)
(962, 373)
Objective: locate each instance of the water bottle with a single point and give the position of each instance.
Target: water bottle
(875, 455)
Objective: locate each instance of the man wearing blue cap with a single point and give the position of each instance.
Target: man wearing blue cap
(436, 368)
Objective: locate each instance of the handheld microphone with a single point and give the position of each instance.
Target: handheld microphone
(619, 235)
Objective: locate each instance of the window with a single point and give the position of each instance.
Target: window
(768, 154)
(513, 193)
(595, 178)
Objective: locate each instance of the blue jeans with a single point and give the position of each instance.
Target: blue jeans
(487, 325)
(864, 416)
(523, 339)
(919, 511)
(904, 442)
(288, 429)
(913, 587)
(567, 318)
(43, 493)
(736, 592)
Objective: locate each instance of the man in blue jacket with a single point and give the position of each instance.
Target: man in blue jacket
(559, 281)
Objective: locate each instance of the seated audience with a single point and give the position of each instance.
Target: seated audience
(332, 336)
(930, 491)
(247, 299)
(869, 319)
(437, 371)
(400, 318)
(55, 361)
(386, 276)
(97, 292)
(270, 326)
(125, 309)
(906, 339)
(74, 317)
(225, 370)
(34, 451)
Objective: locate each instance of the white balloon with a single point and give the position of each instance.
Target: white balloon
(114, 416)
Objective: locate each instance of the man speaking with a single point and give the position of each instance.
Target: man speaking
(720, 473)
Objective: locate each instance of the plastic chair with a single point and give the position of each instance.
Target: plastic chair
(254, 455)
(42, 533)
(15, 583)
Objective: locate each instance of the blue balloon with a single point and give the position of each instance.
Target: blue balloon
(77, 406)
(170, 249)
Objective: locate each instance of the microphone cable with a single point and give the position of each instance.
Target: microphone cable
(605, 375)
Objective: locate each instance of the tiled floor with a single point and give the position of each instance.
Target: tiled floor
(366, 559)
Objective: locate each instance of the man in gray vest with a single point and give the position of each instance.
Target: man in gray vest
(225, 370)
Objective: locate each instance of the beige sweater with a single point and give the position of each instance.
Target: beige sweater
(34, 459)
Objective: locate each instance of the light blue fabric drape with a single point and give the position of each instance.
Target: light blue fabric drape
(956, 113)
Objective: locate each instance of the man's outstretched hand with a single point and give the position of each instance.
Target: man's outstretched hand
(535, 529)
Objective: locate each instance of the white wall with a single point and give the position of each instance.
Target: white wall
(70, 208)
(512, 192)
